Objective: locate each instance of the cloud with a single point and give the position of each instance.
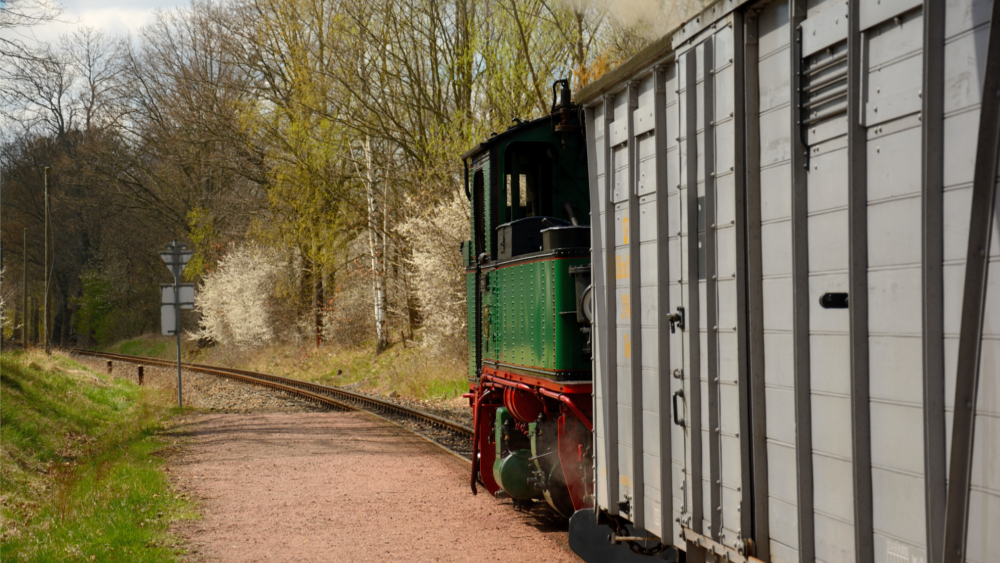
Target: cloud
(114, 17)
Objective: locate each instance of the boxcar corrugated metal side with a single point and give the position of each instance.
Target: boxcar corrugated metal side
(793, 203)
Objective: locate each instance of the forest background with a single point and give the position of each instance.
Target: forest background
(308, 151)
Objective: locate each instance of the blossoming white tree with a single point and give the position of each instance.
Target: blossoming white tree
(237, 300)
(439, 275)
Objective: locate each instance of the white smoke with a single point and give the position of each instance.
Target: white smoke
(653, 18)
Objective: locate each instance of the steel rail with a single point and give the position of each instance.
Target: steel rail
(324, 394)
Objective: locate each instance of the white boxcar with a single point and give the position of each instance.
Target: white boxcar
(797, 299)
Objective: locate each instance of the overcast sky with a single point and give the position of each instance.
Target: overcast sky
(113, 16)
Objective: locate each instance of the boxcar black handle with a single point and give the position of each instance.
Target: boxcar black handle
(834, 301)
(678, 393)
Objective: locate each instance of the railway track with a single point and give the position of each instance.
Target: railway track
(450, 435)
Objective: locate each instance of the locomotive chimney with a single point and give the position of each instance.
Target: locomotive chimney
(562, 107)
(565, 96)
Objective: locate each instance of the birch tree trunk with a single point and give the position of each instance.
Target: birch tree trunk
(376, 247)
(317, 293)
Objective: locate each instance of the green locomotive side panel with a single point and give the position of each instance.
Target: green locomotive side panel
(491, 336)
(487, 207)
(470, 306)
(571, 342)
(526, 327)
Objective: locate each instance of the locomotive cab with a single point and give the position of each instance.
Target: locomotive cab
(527, 273)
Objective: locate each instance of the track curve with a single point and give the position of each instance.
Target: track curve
(333, 397)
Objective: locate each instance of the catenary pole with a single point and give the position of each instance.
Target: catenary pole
(1, 265)
(47, 268)
(177, 315)
(24, 291)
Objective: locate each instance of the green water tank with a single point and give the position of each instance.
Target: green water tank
(512, 472)
(511, 469)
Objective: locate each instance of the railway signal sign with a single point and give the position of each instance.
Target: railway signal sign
(173, 298)
(176, 259)
(168, 306)
(185, 294)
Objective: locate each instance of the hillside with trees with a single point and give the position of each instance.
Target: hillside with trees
(308, 151)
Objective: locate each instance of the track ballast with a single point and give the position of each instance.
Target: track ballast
(450, 435)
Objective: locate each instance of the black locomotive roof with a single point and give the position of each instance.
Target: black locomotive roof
(518, 127)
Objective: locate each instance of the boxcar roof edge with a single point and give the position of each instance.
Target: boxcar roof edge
(652, 54)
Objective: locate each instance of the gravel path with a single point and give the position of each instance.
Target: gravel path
(335, 486)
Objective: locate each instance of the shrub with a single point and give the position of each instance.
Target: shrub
(237, 300)
(439, 277)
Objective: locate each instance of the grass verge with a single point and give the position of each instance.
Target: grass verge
(411, 370)
(150, 346)
(80, 474)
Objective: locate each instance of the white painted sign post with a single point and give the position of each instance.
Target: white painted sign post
(173, 298)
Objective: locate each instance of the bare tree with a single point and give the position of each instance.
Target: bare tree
(17, 18)
(38, 93)
(97, 66)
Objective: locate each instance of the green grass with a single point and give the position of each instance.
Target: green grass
(413, 371)
(80, 473)
(150, 346)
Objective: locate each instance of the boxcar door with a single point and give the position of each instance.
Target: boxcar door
(708, 405)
